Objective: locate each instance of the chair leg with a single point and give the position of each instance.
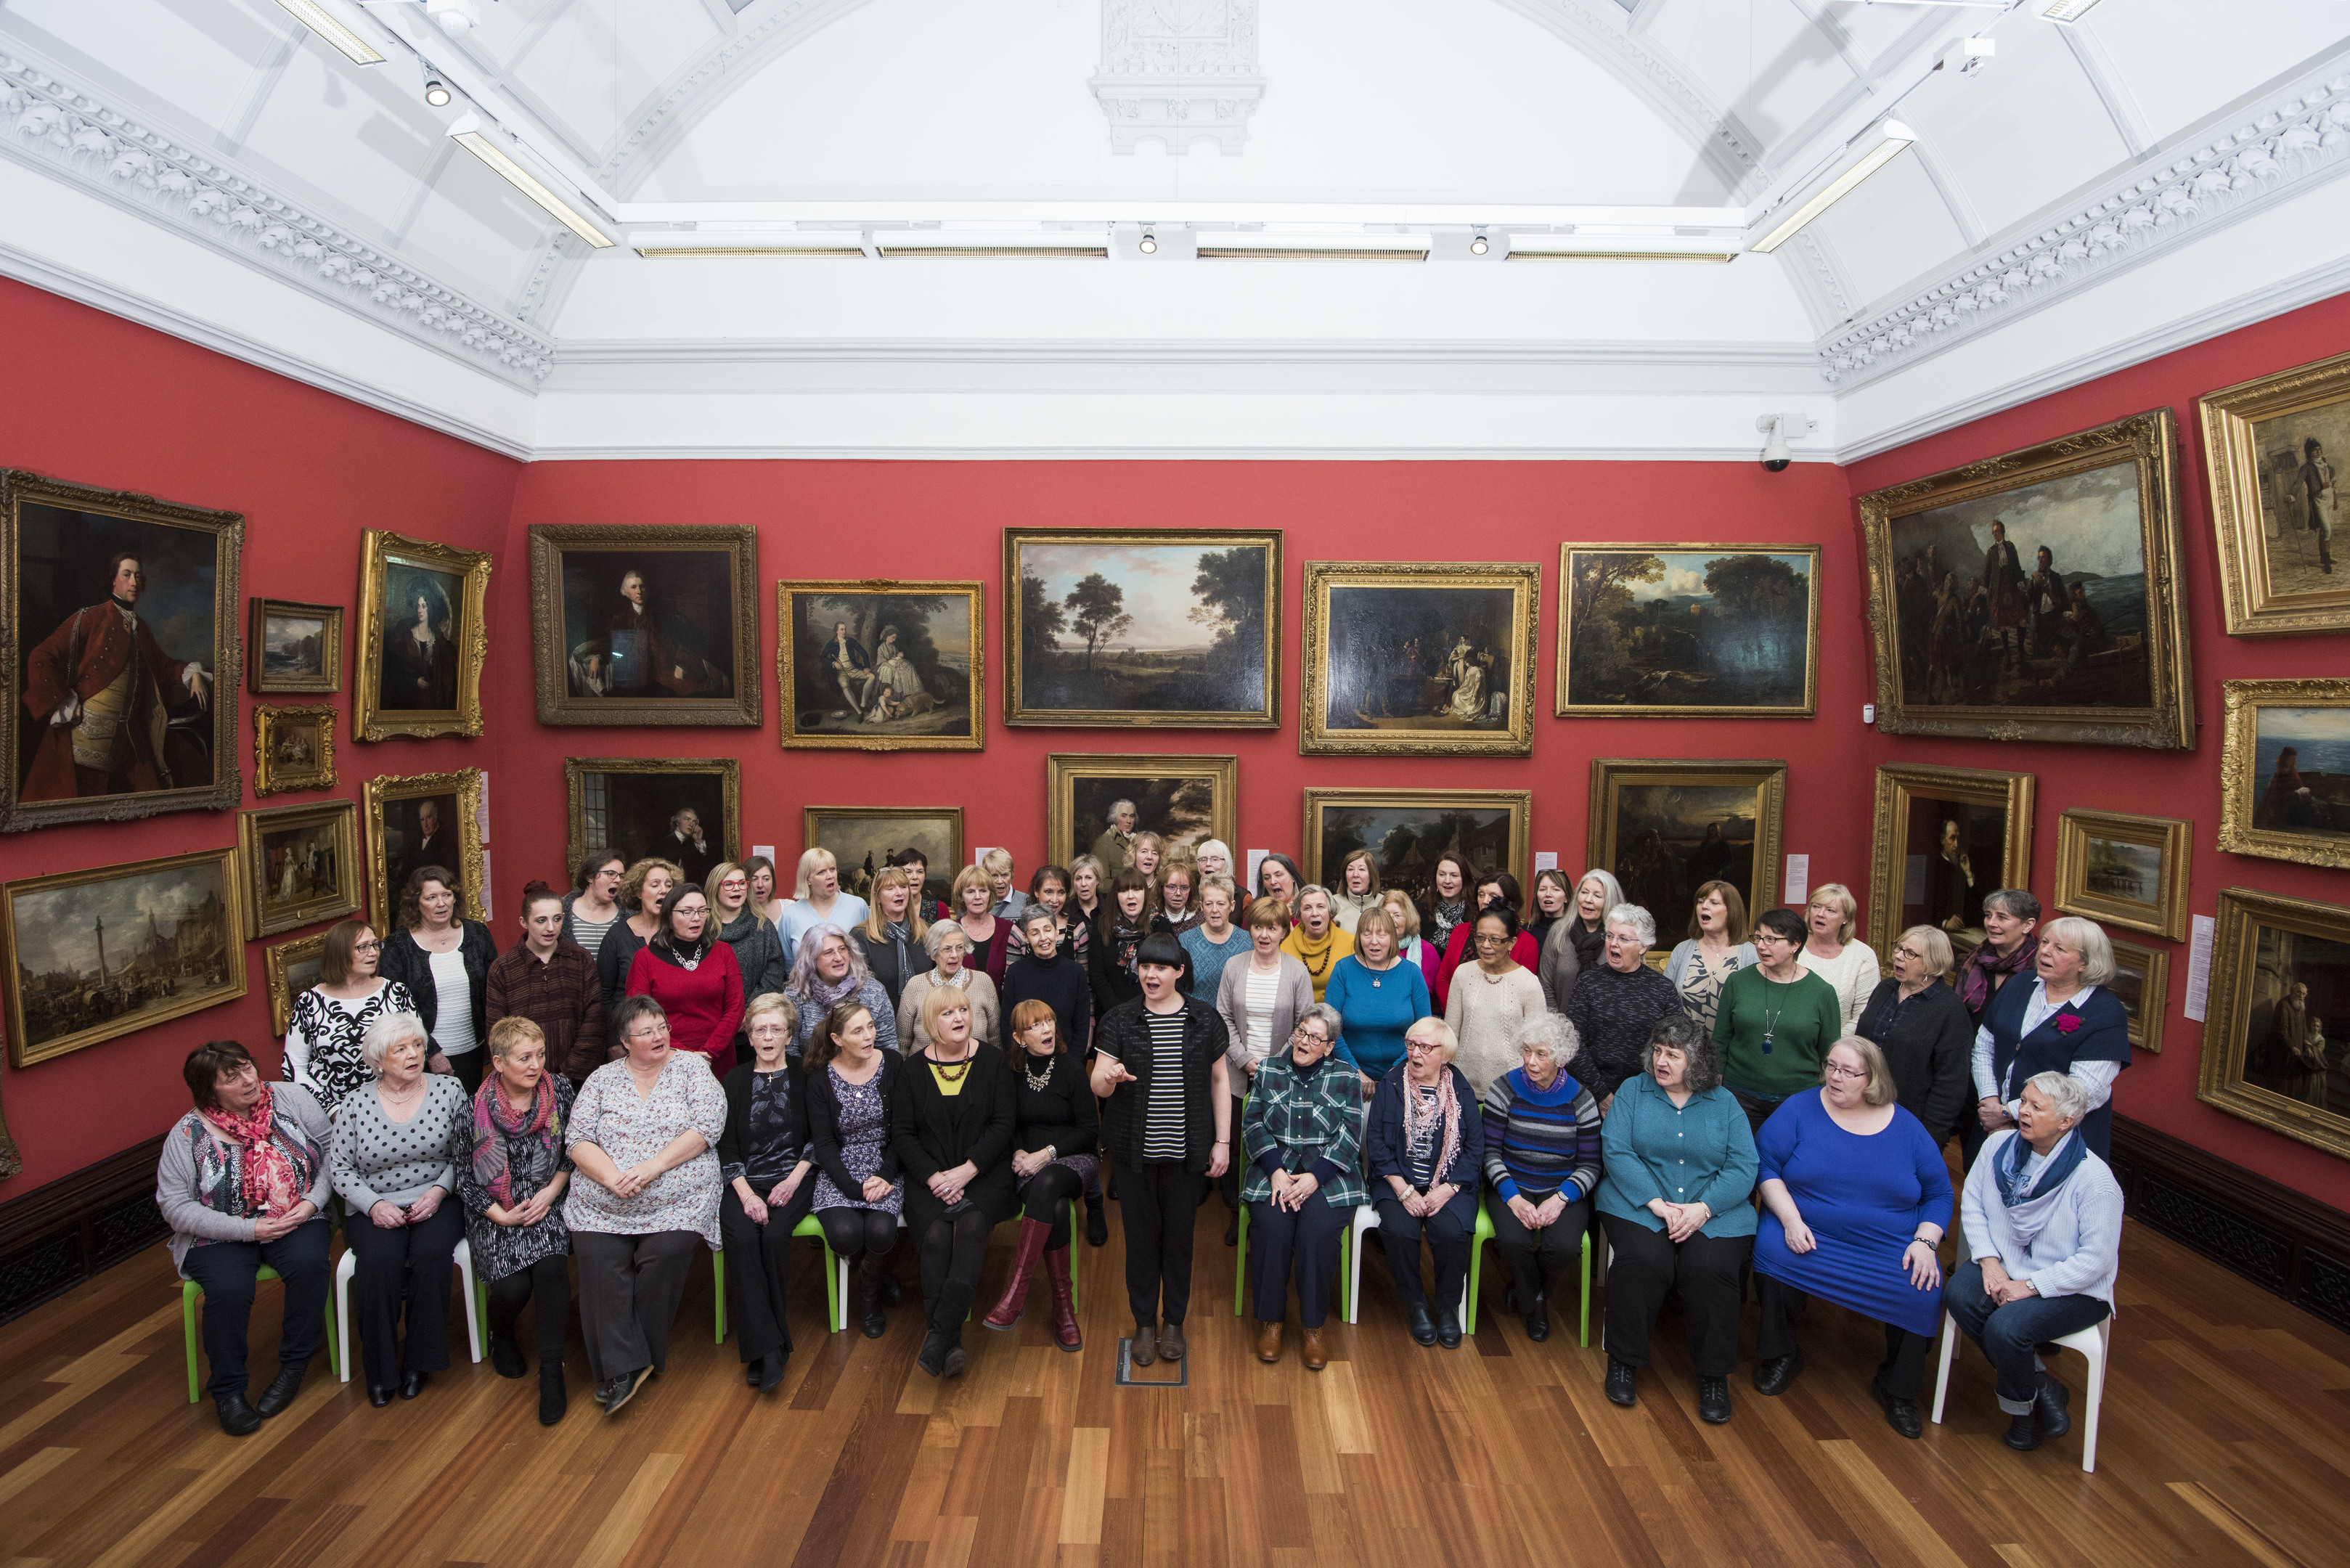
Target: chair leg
(191, 1294)
(2097, 1396)
(1942, 1378)
(1240, 1263)
(718, 1289)
(831, 1289)
(344, 1270)
(1584, 1337)
(464, 1259)
(1347, 1272)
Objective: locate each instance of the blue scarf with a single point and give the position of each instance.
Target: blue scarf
(2062, 1161)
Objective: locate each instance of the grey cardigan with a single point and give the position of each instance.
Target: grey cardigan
(1677, 965)
(175, 1173)
(1559, 966)
(1289, 1005)
(378, 1160)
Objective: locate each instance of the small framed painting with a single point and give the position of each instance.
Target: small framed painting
(2124, 870)
(1419, 659)
(2270, 448)
(2284, 770)
(301, 864)
(1944, 839)
(415, 820)
(646, 623)
(290, 969)
(1407, 829)
(1668, 826)
(293, 648)
(293, 748)
(2142, 980)
(687, 810)
(1689, 631)
(882, 666)
(1186, 799)
(2279, 1010)
(863, 838)
(422, 638)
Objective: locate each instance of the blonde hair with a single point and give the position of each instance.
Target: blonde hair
(1222, 884)
(938, 1000)
(768, 1002)
(967, 878)
(632, 884)
(719, 873)
(998, 862)
(1839, 894)
(1434, 1027)
(1939, 954)
(809, 860)
(1270, 913)
(2089, 939)
(876, 922)
(1403, 912)
(510, 1031)
(1880, 1088)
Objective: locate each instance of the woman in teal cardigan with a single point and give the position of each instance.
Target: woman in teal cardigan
(1680, 1166)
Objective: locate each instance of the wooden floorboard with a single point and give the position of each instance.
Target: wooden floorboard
(2226, 1441)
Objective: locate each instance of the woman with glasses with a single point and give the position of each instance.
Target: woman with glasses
(331, 1018)
(1775, 1022)
(1491, 1000)
(1922, 1027)
(1425, 1143)
(1301, 1137)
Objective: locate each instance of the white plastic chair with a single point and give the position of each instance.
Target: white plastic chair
(350, 1266)
(1367, 1220)
(2095, 1344)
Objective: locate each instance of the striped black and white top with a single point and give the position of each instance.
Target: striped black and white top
(1162, 1114)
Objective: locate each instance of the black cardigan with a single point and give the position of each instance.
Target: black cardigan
(405, 960)
(1125, 1035)
(1061, 984)
(621, 946)
(930, 1131)
(1112, 985)
(880, 956)
(823, 1124)
(1929, 1046)
(1063, 1113)
(735, 1143)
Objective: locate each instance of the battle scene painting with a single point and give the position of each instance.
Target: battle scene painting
(864, 839)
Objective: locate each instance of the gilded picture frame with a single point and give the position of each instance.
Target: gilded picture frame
(412, 686)
(59, 543)
(1914, 877)
(847, 653)
(69, 987)
(282, 658)
(1184, 797)
(1406, 829)
(863, 838)
(293, 747)
(631, 801)
(289, 969)
(1218, 590)
(1709, 808)
(2271, 1050)
(2257, 462)
(1722, 614)
(683, 648)
(2142, 980)
(1419, 659)
(1968, 644)
(2124, 869)
(399, 838)
(301, 864)
(2270, 805)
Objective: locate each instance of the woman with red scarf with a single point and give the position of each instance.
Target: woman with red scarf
(2009, 947)
(512, 1168)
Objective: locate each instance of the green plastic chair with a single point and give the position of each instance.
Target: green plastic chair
(834, 1287)
(1477, 1270)
(191, 1292)
(1345, 1271)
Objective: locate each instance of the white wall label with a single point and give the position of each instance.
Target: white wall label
(1546, 860)
(2199, 965)
(766, 849)
(1798, 884)
(981, 853)
(1255, 859)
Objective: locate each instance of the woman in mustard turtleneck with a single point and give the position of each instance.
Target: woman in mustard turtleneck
(1316, 941)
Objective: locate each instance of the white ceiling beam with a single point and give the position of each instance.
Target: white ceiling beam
(1824, 20)
(1954, 194)
(2112, 89)
(1644, 15)
(258, 87)
(723, 14)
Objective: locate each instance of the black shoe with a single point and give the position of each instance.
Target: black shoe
(1423, 1327)
(552, 1399)
(379, 1398)
(280, 1392)
(1143, 1348)
(1713, 1400)
(413, 1384)
(1538, 1323)
(1448, 1329)
(237, 1418)
(2023, 1431)
(1900, 1414)
(869, 1296)
(771, 1370)
(1096, 1226)
(505, 1355)
(2050, 1405)
(618, 1391)
(933, 1358)
(1772, 1377)
(1620, 1390)
(1233, 1230)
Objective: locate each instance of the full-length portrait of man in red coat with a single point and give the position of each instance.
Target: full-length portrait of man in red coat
(101, 692)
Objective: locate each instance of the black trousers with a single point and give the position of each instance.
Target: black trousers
(546, 1287)
(1158, 1206)
(1903, 1370)
(629, 1290)
(405, 1266)
(954, 1252)
(863, 1236)
(1758, 1109)
(1228, 1186)
(1648, 1266)
(471, 1068)
(226, 1269)
(1043, 1198)
(1306, 1240)
(1540, 1260)
(759, 1268)
(1447, 1238)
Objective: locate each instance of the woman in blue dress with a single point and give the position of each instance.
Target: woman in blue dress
(1854, 1199)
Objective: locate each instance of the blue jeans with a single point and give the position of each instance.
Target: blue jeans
(2015, 1335)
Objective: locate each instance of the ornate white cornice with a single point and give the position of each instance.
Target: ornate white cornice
(62, 131)
(2224, 171)
(1178, 70)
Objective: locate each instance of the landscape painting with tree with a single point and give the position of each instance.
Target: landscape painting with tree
(1430, 658)
(882, 666)
(1406, 830)
(1688, 630)
(1116, 626)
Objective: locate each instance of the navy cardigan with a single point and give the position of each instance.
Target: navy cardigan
(1384, 1143)
(2100, 1033)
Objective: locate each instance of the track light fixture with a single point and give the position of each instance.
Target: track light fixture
(436, 92)
(1479, 245)
(1149, 245)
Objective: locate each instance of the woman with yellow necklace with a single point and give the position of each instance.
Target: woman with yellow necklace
(1316, 941)
(952, 1132)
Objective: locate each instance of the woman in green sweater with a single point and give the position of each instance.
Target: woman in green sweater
(1775, 1022)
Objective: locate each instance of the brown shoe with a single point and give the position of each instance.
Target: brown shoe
(1170, 1342)
(1268, 1342)
(1140, 1349)
(1316, 1358)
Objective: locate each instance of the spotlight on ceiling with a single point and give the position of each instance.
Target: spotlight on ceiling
(1149, 245)
(436, 92)
(1479, 245)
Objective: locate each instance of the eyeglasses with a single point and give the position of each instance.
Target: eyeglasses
(1845, 1073)
(367, 947)
(1491, 938)
(1307, 1037)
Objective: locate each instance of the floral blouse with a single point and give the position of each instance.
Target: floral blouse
(608, 1114)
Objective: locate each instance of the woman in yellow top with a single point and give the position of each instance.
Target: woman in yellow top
(1316, 941)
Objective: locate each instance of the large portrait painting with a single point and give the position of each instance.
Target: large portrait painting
(865, 838)
(415, 820)
(120, 655)
(294, 647)
(301, 864)
(1943, 840)
(882, 666)
(2279, 1016)
(1407, 829)
(687, 810)
(422, 638)
(1666, 827)
(651, 623)
(2284, 770)
(1111, 625)
(1404, 658)
(1689, 630)
(1096, 804)
(2034, 596)
(94, 955)
(2271, 447)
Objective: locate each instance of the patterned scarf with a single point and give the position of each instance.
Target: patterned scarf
(494, 1123)
(1445, 916)
(2028, 1212)
(273, 1173)
(1974, 979)
(1419, 1117)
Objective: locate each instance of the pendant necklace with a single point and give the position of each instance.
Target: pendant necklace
(1771, 1027)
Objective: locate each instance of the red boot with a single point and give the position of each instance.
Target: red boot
(1065, 1312)
(1006, 1315)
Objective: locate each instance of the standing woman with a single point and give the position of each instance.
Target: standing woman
(1492, 1000)
(890, 939)
(330, 1019)
(818, 900)
(1376, 996)
(549, 979)
(1049, 886)
(828, 972)
(1553, 894)
(444, 961)
(1358, 890)
(2011, 947)
(758, 946)
(1830, 952)
(766, 898)
(1277, 878)
(1115, 978)
(952, 1131)
(1500, 889)
(1450, 906)
(1617, 1004)
(2065, 1021)
(974, 901)
(1088, 895)
(1215, 940)
(1159, 1060)
(393, 1173)
(853, 1086)
(1304, 1139)
(1775, 1022)
(1214, 857)
(1424, 1145)
(1715, 949)
(1422, 955)
(1574, 944)
(643, 891)
(1542, 1159)
(1177, 893)
(1051, 974)
(693, 976)
(593, 906)
(1147, 854)
(1921, 1026)
(765, 1158)
(1315, 940)
(1054, 1132)
(512, 1168)
(943, 946)
(1260, 1001)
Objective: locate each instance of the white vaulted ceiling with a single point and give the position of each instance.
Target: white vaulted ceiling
(2096, 193)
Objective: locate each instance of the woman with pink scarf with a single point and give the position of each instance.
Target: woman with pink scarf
(1425, 1144)
(512, 1167)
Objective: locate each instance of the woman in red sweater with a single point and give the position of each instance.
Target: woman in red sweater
(694, 977)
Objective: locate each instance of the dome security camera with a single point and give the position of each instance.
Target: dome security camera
(1775, 453)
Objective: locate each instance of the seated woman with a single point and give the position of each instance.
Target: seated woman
(890, 941)
(241, 1183)
(512, 1168)
(1542, 1159)
(1301, 1139)
(946, 947)
(1677, 1170)
(853, 1086)
(693, 976)
(1425, 1144)
(2062, 1021)
(1055, 1131)
(764, 1159)
(330, 1019)
(1377, 995)
(1618, 1003)
(394, 1175)
(1920, 1024)
(826, 973)
(952, 1130)
(1855, 1201)
(1316, 941)
(2044, 1216)
(644, 1139)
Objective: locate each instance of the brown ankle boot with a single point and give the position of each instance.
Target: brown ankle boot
(1316, 1358)
(1006, 1315)
(1065, 1311)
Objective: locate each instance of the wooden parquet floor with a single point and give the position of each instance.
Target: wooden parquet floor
(2226, 1441)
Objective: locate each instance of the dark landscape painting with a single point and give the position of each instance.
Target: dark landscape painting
(103, 956)
(864, 841)
(1407, 839)
(640, 624)
(1695, 629)
(1669, 839)
(1421, 658)
(1950, 863)
(1171, 632)
(2302, 768)
(2300, 1019)
(882, 666)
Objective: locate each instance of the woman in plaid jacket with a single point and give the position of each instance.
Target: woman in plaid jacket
(1302, 1136)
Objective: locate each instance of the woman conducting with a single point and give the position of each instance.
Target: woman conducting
(1541, 1160)
(1302, 1138)
(952, 1130)
(512, 1168)
(765, 1160)
(1054, 1132)
(1424, 1146)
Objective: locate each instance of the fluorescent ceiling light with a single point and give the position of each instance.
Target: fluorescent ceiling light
(737, 252)
(466, 131)
(1895, 138)
(2066, 10)
(1312, 253)
(1521, 253)
(321, 21)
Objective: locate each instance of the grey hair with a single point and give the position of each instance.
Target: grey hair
(936, 937)
(1327, 1016)
(1687, 1036)
(2016, 901)
(1326, 898)
(2089, 939)
(1117, 806)
(1643, 924)
(2068, 1096)
(802, 986)
(1553, 1033)
(1608, 885)
(392, 1029)
(1218, 846)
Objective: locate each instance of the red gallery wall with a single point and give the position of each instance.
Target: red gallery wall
(2160, 1090)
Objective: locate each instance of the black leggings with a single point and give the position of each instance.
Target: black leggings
(547, 1286)
(1046, 1197)
(954, 1250)
(852, 1233)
